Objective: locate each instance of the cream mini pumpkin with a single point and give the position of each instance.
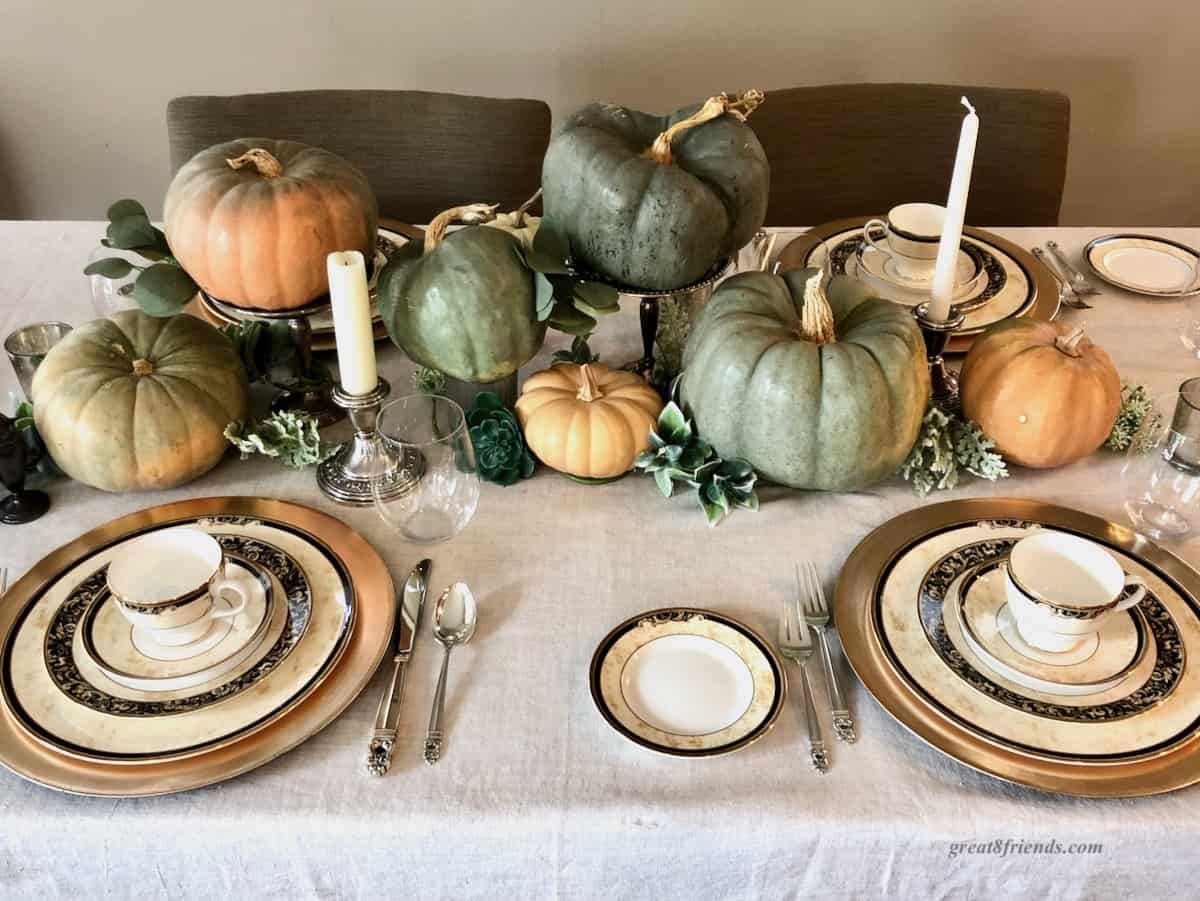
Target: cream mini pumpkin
(587, 421)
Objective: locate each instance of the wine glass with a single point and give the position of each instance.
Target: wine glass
(1160, 480)
(23, 504)
(112, 295)
(443, 499)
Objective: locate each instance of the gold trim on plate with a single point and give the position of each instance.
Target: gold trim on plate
(862, 577)
(363, 650)
(1044, 306)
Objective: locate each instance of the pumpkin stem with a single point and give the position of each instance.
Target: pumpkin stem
(519, 212)
(264, 162)
(740, 106)
(1069, 343)
(142, 367)
(589, 388)
(471, 214)
(816, 316)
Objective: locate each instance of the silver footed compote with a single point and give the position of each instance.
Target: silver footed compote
(453, 624)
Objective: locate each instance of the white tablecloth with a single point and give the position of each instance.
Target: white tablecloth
(536, 797)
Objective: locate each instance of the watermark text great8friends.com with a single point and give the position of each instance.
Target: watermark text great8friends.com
(1012, 847)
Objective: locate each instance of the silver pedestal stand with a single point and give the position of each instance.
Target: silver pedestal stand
(368, 465)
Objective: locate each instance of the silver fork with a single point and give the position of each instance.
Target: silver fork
(796, 645)
(816, 613)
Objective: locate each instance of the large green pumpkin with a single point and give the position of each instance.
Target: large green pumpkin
(816, 389)
(656, 201)
(462, 303)
(137, 402)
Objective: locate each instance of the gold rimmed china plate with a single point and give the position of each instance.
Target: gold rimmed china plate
(311, 707)
(687, 682)
(1016, 284)
(1140, 737)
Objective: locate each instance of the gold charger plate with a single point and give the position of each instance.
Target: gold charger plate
(1042, 306)
(364, 649)
(1174, 765)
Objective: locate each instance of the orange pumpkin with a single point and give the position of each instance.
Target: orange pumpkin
(252, 221)
(1042, 391)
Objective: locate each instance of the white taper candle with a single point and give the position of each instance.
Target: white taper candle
(352, 322)
(946, 269)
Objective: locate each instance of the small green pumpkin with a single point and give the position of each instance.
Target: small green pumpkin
(656, 201)
(820, 389)
(138, 402)
(462, 303)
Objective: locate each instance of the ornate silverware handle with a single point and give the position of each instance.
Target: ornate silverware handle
(433, 737)
(1073, 275)
(843, 724)
(816, 746)
(379, 751)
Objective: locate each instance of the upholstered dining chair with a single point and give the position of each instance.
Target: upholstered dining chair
(860, 149)
(422, 152)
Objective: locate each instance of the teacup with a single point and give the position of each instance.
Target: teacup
(910, 236)
(167, 583)
(1062, 588)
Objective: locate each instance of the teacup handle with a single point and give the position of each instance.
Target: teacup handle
(866, 233)
(1136, 598)
(221, 584)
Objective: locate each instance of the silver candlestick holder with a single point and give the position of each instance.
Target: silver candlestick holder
(368, 465)
(943, 383)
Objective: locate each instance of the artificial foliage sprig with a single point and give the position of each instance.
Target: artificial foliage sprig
(501, 454)
(293, 438)
(579, 353)
(946, 445)
(678, 454)
(427, 380)
(1137, 407)
(564, 301)
(162, 287)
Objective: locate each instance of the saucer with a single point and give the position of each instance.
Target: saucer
(1144, 264)
(881, 270)
(1097, 664)
(131, 657)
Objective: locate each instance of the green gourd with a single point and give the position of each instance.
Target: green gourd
(138, 402)
(462, 303)
(656, 201)
(816, 388)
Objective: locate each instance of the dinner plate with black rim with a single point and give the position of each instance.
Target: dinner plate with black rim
(687, 682)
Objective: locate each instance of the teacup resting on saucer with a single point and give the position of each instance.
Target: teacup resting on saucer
(166, 583)
(909, 237)
(1062, 588)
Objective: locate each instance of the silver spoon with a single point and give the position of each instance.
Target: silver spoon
(453, 624)
(1066, 294)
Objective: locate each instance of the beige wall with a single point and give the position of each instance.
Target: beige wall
(83, 86)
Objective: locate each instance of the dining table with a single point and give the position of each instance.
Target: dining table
(535, 795)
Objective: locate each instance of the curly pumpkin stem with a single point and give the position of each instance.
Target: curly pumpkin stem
(471, 214)
(261, 160)
(142, 367)
(816, 316)
(589, 388)
(519, 212)
(1069, 344)
(740, 106)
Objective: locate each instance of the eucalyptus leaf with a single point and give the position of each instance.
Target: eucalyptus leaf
(551, 250)
(132, 232)
(163, 290)
(569, 320)
(544, 296)
(109, 267)
(125, 208)
(601, 298)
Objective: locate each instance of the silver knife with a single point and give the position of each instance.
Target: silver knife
(404, 632)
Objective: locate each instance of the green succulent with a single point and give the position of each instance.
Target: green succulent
(1137, 406)
(500, 452)
(678, 454)
(162, 287)
(290, 437)
(947, 444)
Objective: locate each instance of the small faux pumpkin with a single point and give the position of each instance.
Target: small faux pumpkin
(816, 387)
(139, 403)
(462, 303)
(656, 201)
(252, 221)
(1042, 391)
(588, 421)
